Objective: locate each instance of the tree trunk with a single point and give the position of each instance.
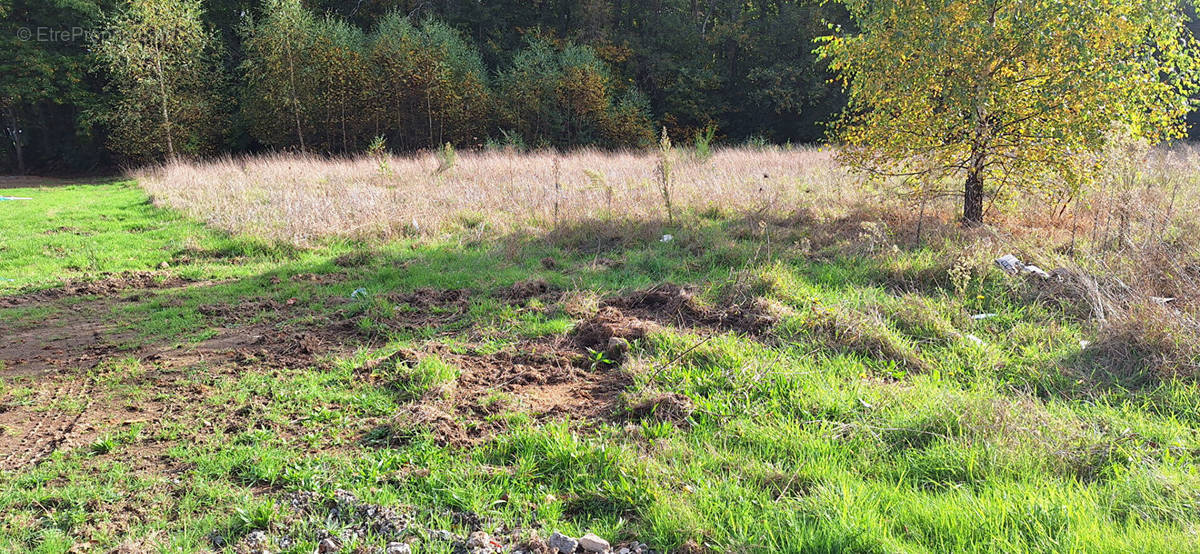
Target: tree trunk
(15, 129)
(973, 198)
(164, 96)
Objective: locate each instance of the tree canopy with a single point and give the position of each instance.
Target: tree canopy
(1007, 93)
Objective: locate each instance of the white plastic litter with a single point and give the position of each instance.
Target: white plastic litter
(1012, 266)
(1162, 299)
(978, 317)
(976, 339)
(667, 238)
(359, 293)
(1037, 271)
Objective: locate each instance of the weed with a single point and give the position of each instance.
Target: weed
(259, 517)
(665, 165)
(446, 158)
(104, 445)
(703, 141)
(378, 150)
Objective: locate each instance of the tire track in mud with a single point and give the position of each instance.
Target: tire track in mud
(45, 430)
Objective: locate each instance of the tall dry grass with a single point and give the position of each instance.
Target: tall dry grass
(300, 199)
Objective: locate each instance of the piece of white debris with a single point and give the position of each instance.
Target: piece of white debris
(667, 238)
(1162, 299)
(359, 293)
(1010, 264)
(1037, 271)
(976, 339)
(1083, 344)
(978, 317)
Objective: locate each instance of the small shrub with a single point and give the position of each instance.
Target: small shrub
(703, 141)
(446, 157)
(665, 153)
(378, 150)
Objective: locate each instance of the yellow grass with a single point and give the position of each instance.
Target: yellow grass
(299, 199)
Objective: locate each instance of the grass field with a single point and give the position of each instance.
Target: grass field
(762, 381)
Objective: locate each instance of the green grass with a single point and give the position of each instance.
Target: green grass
(866, 420)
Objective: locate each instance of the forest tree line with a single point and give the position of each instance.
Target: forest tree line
(89, 84)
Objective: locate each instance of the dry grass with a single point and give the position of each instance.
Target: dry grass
(300, 199)
(1119, 249)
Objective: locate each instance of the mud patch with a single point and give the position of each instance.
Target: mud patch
(62, 396)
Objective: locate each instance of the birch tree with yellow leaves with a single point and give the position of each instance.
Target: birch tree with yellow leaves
(1005, 95)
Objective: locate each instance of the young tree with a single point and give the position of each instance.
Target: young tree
(280, 84)
(1007, 92)
(161, 62)
(342, 77)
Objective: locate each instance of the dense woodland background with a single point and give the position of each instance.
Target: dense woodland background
(333, 75)
(558, 73)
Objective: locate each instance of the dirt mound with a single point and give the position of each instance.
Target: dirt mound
(545, 380)
(358, 258)
(609, 322)
(527, 289)
(673, 304)
(133, 280)
(672, 407)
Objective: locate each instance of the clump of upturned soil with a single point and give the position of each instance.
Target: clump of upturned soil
(132, 280)
(609, 323)
(527, 289)
(546, 380)
(668, 406)
(673, 304)
(439, 420)
(426, 307)
(358, 258)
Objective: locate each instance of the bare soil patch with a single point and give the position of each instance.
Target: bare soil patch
(124, 282)
(547, 379)
(61, 396)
